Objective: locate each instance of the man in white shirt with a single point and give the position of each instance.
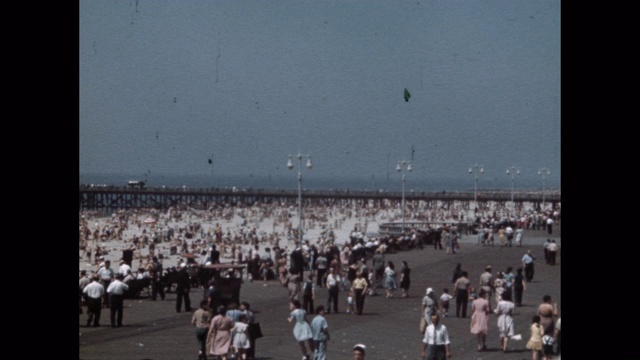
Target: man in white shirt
(333, 284)
(435, 344)
(116, 291)
(124, 267)
(509, 232)
(553, 251)
(94, 292)
(106, 274)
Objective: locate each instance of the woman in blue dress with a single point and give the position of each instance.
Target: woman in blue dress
(301, 330)
(390, 279)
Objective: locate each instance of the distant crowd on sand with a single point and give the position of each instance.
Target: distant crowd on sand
(186, 230)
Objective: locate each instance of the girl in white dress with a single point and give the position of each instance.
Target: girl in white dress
(241, 336)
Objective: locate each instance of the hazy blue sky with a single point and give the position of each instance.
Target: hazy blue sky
(166, 85)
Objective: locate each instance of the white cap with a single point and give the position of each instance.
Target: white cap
(360, 346)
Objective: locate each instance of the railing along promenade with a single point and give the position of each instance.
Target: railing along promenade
(122, 197)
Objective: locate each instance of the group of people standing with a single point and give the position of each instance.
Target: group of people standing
(503, 288)
(230, 331)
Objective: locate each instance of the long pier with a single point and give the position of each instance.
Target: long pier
(118, 197)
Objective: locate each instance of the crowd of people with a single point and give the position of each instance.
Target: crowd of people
(358, 267)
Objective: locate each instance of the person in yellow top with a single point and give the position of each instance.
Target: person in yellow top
(535, 341)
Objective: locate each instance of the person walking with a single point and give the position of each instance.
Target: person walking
(301, 329)
(93, 294)
(245, 307)
(429, 305)
(480, 319)
(509, 277)
(552, 251)
(486, 281)
(240, 339)
(504, 310)
(155, 273)
(390, 279)
(527, 262)
(219, 337)
(333, 284)
(519, 232)
(535, 340)
(321, 264)
(359, 287)
(436, 343)
(308, 294)
(116, 292)
(547, 312)
(405, 279)
(183, 288)
(461, 294)
(519, 286)
(201, 319)
(320, 334)
(106, 274)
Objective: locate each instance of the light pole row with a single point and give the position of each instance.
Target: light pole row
(290, 167)
(476, 170)
(403, 167)
(544, 173)
(513, 172)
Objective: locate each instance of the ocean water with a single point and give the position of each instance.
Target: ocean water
(315, 182)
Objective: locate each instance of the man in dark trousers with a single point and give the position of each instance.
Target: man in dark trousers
(297, 261)
(183, 288)
(215, 255)
(155, 273)
(116, 292)
(94, 293)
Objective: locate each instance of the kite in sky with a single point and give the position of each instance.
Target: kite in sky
(406, 95)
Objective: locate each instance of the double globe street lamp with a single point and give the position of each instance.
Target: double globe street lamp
(290, 167)
(476, 170)
(544, 173)
(513, 172)
(403, 167)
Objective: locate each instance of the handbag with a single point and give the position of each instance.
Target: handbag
(547, 345)
(255, 331)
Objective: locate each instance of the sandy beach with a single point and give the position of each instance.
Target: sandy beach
(266, 225)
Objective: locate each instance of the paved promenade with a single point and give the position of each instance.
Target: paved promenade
(388, 327)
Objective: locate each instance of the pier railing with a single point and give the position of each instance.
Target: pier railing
(115, 197)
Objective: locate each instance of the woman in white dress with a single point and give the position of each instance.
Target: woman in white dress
(301, 330)
(504, 310)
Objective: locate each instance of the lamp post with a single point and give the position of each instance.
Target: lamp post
(543, 172)
(290, 167)
(403, 166)
(476, 170)
(513, 172)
